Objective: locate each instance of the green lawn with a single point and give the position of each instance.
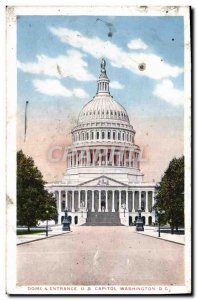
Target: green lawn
(25, 231)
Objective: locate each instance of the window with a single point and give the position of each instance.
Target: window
(103, 135)
(123, 136)
(114, 135)
(118, 135)
(87, 136)
(92, 135)
(83, 136)
(97, 135)
(109, 135)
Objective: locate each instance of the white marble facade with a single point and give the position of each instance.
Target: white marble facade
(103, 164)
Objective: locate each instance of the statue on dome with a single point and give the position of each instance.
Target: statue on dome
(103, 64)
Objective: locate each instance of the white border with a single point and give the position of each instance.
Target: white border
(11, 120)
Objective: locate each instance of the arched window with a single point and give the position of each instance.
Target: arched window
(97, 135)
(118, 135)
(92, 135)
(123, 136)
(114, 135)
(103, 135)
(87, 136)
(83, 136)
(127, 137)
(109, 135)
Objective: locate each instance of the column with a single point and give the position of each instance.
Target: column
(73, 158)
(77, 159)
(127, 202)
(86, 199)
(66, 200)
(153, 198)
(88, 157)
(59, 207)
(112, 157)
(99, 157)
(140, 199)
(106, 201)
(133, 201)
(79, 199)
(93, 201)
(93, 157)
(119, 195)
(113, 209)
(99, 201)
(146, 210)
(73, 199)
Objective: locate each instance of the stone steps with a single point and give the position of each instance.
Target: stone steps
(103, 219)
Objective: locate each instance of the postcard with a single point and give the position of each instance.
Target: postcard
(98, 150)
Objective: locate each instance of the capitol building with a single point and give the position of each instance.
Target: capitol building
(103, 183)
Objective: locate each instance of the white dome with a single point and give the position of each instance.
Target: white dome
(103, 107)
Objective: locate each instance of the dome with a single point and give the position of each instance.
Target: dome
(103, 107)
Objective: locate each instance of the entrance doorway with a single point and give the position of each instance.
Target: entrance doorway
(102, 205)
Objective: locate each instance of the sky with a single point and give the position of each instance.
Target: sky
(58, 62)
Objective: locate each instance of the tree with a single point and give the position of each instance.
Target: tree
(34, 203)
(170, 194)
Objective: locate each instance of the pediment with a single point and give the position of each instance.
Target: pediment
(103, 181)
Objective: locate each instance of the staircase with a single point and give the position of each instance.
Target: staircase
(103, 219)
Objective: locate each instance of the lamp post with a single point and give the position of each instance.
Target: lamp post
(47, 223)
(160, 212)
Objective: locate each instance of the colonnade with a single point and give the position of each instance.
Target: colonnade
(102, 157)
(107, 200)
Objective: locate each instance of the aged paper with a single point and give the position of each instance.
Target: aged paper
(100, 99)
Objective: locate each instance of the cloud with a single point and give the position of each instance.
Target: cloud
(166, 91)
(116, 85)
(53, 87)
(80, 93)
(70, 65)
(137, 44)
(155, 67)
